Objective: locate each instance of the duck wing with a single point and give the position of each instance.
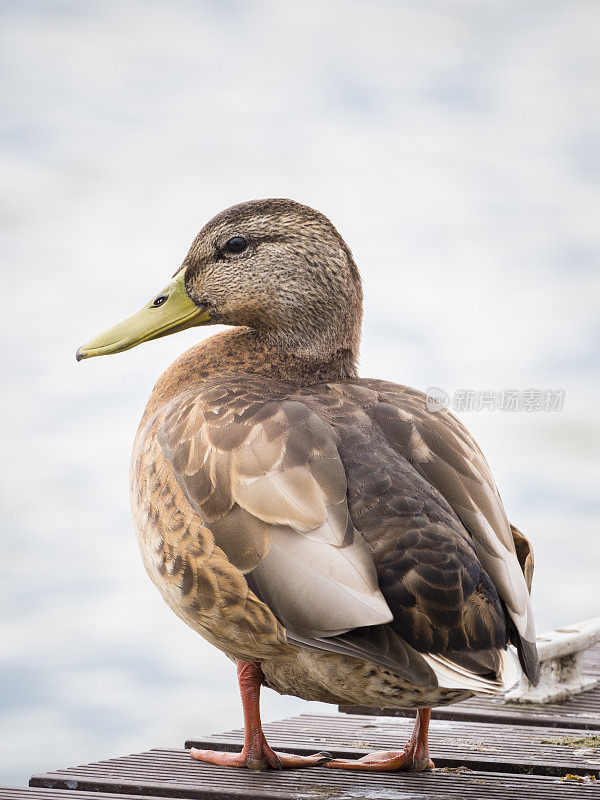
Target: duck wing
(263, 472)
(440, 449)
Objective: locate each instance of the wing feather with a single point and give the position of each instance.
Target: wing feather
(440, 449)
(267, 480)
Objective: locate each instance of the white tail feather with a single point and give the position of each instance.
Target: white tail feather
(453, 676)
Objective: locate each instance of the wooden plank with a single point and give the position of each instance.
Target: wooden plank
(582, 711)
(38, 793)
(172, 773)
(575, 716)
(484, 746)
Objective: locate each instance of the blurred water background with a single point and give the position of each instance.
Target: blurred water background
(455, 145)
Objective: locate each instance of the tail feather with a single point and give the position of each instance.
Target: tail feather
(453, 675)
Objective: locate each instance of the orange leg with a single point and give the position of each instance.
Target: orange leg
(414, 757)
(256, 753)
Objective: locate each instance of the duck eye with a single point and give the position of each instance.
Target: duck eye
(160, 300)
(236, 244)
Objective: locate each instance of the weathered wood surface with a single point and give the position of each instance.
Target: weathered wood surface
(485, 746)
(172, 773)
(38, 793)
(582, 711)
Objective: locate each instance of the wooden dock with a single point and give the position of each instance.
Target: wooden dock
(482, 749)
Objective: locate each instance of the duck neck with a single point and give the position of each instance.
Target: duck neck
(299, 363)
(249, 351)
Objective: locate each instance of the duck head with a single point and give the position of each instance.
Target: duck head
(275, 266)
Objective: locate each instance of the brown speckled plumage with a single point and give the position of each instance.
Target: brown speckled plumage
(330, 528)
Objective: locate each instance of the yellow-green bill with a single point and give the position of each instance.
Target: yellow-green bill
(170, 311)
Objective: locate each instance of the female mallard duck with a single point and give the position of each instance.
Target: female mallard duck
(331, 535)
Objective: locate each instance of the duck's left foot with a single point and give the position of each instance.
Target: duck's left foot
(265, 759)
(414, 757)
(256, 753)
